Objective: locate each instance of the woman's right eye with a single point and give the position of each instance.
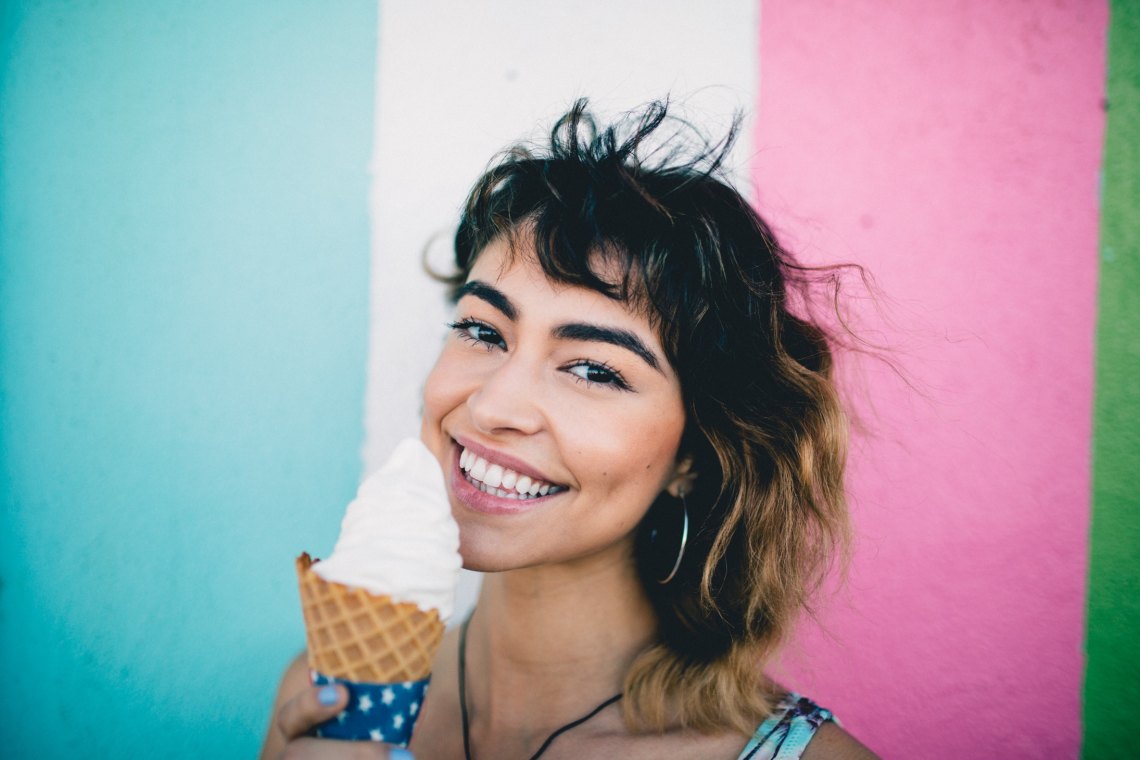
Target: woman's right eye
(479, 333)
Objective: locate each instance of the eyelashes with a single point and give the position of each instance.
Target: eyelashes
(478, 333)
(588, 371)
(593, 372)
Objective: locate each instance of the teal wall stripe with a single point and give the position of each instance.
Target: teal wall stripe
(183, 333)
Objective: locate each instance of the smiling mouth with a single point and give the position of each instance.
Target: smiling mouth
(505, 483)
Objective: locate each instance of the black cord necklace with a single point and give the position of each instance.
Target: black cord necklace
(463, 703)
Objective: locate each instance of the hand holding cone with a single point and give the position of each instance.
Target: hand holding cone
(380, 649)
(375, 609)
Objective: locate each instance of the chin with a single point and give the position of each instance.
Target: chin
(482, 564)
(477, 555)
(486, 555)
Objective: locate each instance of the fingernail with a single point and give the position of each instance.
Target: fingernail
(327, 696)
(399, 753)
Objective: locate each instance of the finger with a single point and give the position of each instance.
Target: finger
(314, 705)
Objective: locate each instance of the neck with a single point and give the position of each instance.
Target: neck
(547, 644)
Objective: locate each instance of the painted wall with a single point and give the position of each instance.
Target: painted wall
(953, 150)
(183, 316)
(185, 296)
(1112, 683)
(496, 77)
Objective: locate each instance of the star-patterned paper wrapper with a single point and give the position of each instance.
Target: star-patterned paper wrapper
(379, 712)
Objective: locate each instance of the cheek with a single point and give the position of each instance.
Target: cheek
(631, 454)
(434, 392)
(443, 389)
(442, 393)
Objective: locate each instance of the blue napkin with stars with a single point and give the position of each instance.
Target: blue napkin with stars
(379, 712)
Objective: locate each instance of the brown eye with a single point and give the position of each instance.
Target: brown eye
(594, 373)
(478, 333)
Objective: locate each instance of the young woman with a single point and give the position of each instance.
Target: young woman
(626, 337)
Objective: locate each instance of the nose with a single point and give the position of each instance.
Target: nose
(507, 400)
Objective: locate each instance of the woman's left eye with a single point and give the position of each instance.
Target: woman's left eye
(593, 373)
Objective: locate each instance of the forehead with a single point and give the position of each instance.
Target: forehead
(513, 267)
(514, 252)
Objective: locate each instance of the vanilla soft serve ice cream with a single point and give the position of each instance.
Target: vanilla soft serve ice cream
(398, 537)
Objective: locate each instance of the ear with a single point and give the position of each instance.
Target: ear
(683, 478)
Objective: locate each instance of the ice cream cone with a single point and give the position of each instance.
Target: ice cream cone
(375, 608)
(358, 636)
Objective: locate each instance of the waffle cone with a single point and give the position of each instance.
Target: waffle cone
(358, 636)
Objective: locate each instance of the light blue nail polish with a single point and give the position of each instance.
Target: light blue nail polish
(399, 753)
(327, 696)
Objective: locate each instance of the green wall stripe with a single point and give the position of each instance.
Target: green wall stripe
(1112, 685)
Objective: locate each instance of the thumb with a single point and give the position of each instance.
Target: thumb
(310, 708)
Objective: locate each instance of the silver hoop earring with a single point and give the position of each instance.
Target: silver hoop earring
(684, 540)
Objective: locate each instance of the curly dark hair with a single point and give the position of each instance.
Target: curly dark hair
(765, 431)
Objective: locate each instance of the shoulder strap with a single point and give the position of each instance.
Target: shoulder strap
(786, 733)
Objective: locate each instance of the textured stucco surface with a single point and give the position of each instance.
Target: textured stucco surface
(184, 300)
(1112, 684)
(497, 76)
(952, 149)
(183, 315)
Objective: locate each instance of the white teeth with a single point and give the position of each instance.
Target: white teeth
(500, 481)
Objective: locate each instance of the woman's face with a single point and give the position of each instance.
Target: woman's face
(555, 416)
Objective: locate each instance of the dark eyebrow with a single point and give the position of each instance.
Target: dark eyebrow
(614, 336)
(491, 295)
(570, 331)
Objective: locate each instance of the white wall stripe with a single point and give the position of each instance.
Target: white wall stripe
(458, 82)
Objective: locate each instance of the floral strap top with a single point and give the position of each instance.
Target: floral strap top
(785, 735)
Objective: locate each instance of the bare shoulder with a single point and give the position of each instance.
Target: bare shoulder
(831, 742)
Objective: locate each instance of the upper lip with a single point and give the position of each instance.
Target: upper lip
(503, 460)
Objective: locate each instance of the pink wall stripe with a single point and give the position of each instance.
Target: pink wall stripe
(953, 148)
